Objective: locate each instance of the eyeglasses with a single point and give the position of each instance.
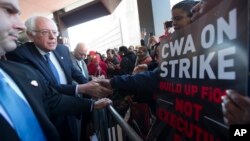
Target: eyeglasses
(82, 54)
(47, 32)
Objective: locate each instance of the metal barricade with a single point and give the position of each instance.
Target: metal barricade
(110, 126)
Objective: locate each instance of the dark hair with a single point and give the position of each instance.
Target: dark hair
(123, 49)
(168, 24)
(111, 50)
(186, 6)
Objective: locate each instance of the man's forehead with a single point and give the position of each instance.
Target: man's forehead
(81, 49)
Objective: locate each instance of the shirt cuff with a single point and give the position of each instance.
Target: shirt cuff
(76, 92)
(92, 105)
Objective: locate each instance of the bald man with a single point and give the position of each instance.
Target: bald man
(78, 56)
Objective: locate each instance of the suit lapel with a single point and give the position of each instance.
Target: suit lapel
(78, 65)
(85, 69)
(24, 82)
(63, 63)
(42, 63)
(75, 63)
(35, 94)
(20, 77)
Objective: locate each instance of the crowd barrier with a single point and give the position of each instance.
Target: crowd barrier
(110, 126)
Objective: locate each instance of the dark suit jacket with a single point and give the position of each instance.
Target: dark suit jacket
(28, 54)
(23, 77)
(44, 101)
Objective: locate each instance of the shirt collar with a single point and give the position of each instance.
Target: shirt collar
(41, 51)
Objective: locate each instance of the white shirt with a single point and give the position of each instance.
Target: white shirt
(55, 62)
(59, 69)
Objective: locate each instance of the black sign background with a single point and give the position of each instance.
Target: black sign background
(191, 107)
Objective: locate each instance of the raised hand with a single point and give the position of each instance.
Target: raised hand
(236, 108)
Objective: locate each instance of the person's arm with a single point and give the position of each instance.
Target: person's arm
(60, 104)
(94, 89)
(142, 82)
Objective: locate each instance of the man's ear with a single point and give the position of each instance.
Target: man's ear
(30, 35)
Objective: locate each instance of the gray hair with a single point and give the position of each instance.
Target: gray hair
(31, 23)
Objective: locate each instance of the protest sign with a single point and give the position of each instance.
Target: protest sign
(197, 65)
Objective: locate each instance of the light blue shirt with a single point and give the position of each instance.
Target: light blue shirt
(18, 92)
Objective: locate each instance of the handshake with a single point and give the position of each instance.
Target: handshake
(97, 89)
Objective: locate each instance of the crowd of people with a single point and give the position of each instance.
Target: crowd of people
(48, 92)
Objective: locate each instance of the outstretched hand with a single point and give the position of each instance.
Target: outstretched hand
(104, 82)
(95, 89)
(236, 108)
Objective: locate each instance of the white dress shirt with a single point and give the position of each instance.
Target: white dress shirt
(57, 65)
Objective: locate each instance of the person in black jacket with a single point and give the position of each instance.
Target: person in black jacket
(128, 60)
